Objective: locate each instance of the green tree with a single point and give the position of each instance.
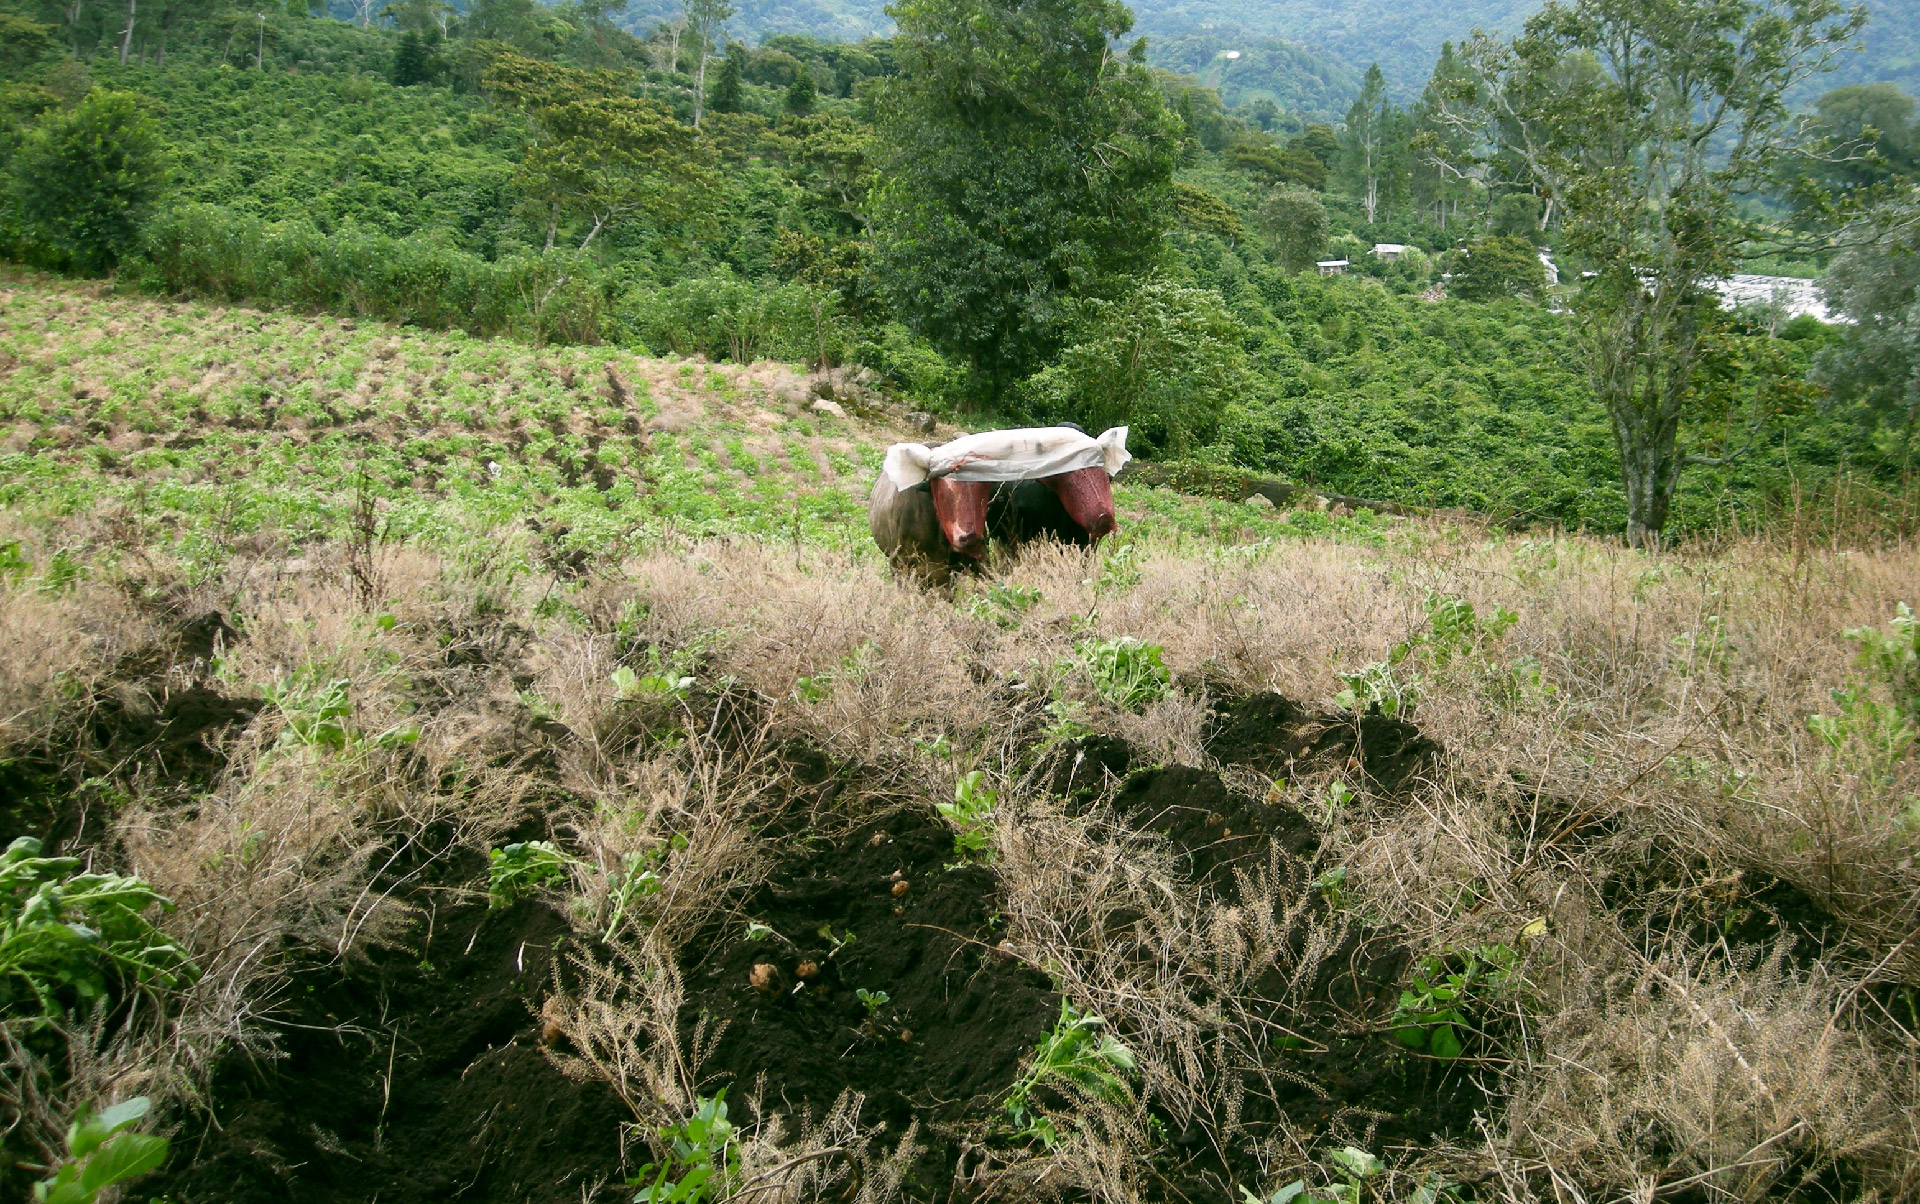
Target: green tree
(83, 181)
(1363, 143)
(1499, 265)
(1516, 214)
(1164, 359)
(1875, 280)
(598, 157)
(1025, 164)
(1645, 120)
(417, 59)
(801, 94)
(1442, 153)
(1295, 222)
(1320, 141)
(1871, 134)
(727, 92)
(704, 18)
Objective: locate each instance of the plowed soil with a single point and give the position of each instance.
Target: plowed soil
(959, 1016)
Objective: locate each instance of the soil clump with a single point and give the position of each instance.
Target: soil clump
(417, 1075)
(1281, 738)
(959, 1017)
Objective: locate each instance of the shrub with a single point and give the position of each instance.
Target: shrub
(724, 317)
(1165, 360)
(1499, 265)
(206, 251)
(83, 182)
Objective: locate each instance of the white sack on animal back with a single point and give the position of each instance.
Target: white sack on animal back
(1025, 454)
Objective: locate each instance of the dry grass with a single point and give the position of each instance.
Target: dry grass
(1623, 763)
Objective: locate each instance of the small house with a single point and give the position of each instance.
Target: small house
(1332, 267)
(1388, 252)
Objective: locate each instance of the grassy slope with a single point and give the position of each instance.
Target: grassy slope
(1630, 796)
(204, 426)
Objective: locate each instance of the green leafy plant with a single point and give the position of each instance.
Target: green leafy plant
(1436, 1007)
(1377, 685)
(971, 814)
(12, 562)
(1454, 630)
(102, 1151)
(1894, 657)
(873, 1001)
(1351, 1163)
(1871, 733)
(629, 685)
(1119, 570)
(1003, 604)
(637, 878)
(703, 1160)
(1069, 723)
(1126, 671)
(517, 870)
(67, 937)
(314, 711)
(1078, 1051)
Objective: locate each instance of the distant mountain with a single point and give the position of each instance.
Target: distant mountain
(1332, 41)
(1301, 82)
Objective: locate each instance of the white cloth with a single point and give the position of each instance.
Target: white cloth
(1018, 455)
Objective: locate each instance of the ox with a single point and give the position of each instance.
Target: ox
(934, 510)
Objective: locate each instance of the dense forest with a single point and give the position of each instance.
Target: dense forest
(543, 173)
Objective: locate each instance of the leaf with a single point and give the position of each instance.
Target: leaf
(1534, 930)
(124, 1113)
(128, 1155)
(1444, 1042)
(1358, 1162)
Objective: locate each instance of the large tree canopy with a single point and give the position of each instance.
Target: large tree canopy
(1643, 121)
(1027, 162)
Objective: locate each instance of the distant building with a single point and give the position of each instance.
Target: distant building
(1790, 295)
(1332, 267)
(1389, 251)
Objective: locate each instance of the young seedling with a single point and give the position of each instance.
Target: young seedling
(873, 1001)
(517, 870)
(702, 1163)
(971, 813)
(1079, 1051)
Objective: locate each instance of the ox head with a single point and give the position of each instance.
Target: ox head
(960, 507)
(1087, 495)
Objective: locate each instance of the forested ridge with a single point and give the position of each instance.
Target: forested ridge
(538, 172)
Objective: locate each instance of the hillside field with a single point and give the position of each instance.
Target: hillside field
(533, 750)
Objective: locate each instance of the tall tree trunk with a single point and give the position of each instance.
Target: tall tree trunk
(126, 39)
(700, 80)
(1642, 364)
(1649, 468)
